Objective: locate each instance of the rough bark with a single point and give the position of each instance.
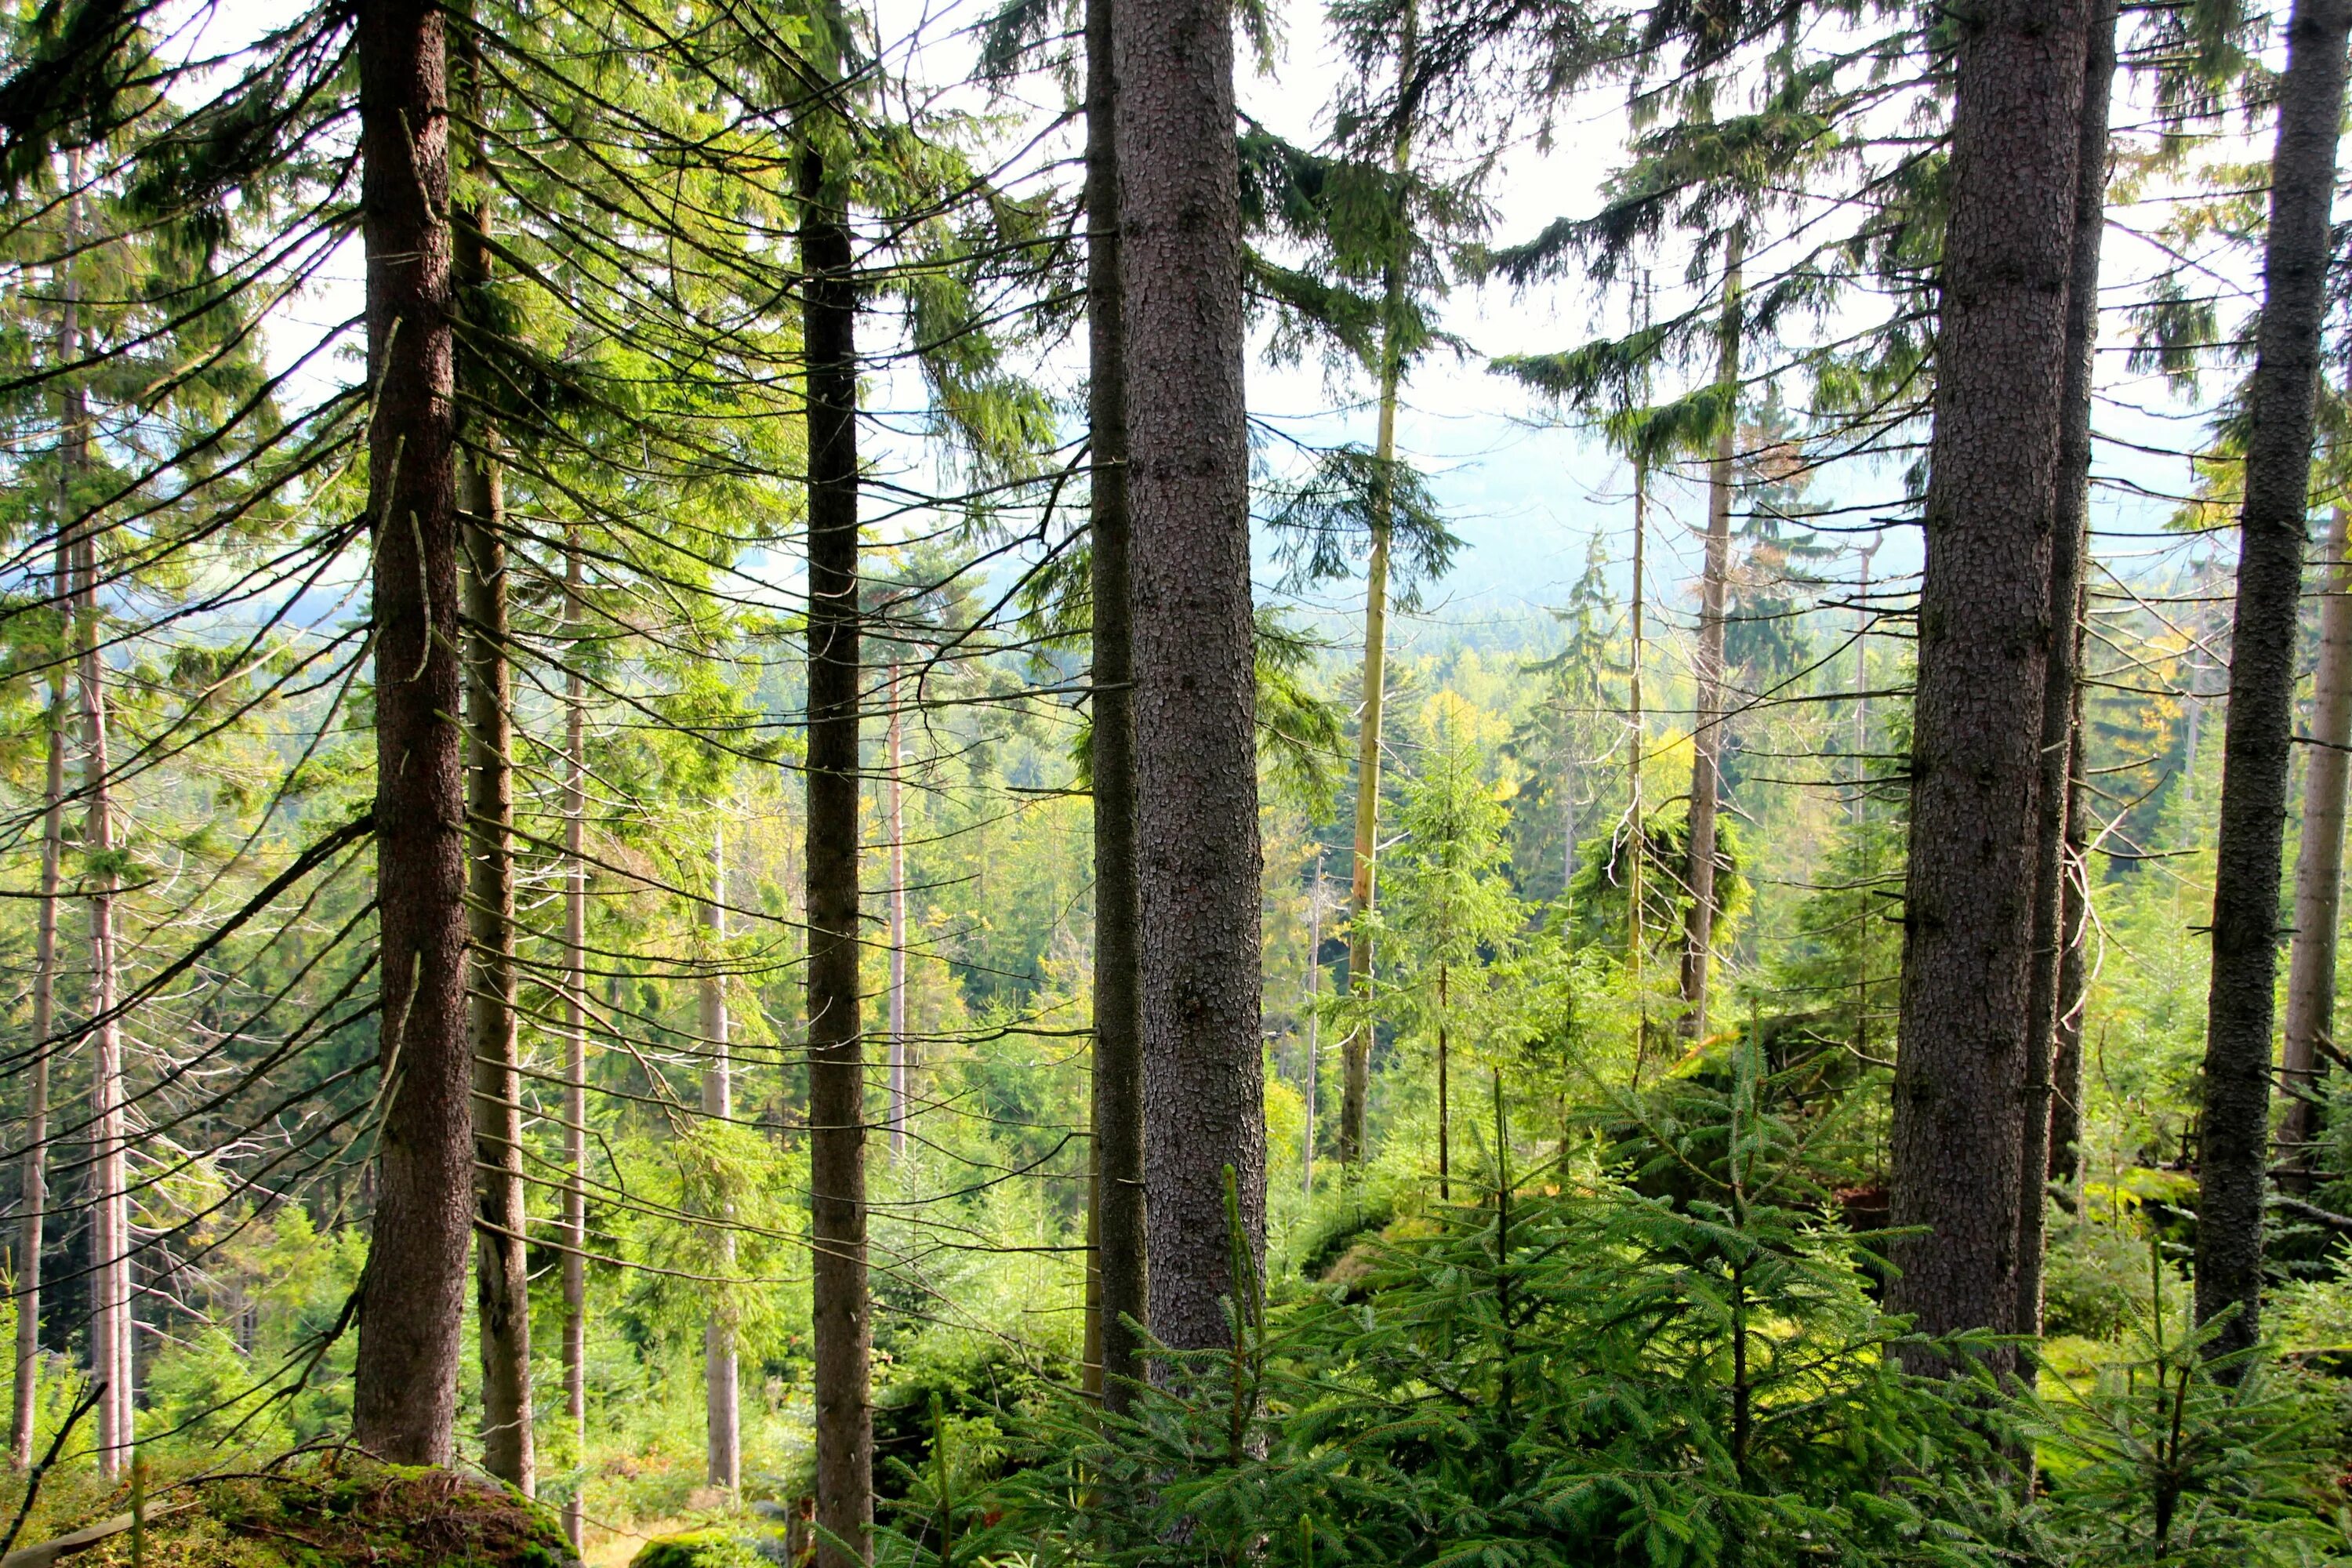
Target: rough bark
(412, 1301)
(501, 1270)
(1985, 631)
(1706, 748)
(1363, 884)
(1196, 776)
(844, 1415)
(1118, 1218)
(722, 1409)
(2256, 735)
(1638, 851)
(575, 1033)
(2061, 706)
(2073, 975)
(895, 825)
(2320, 862)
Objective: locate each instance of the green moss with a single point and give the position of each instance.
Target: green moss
(698, 1549)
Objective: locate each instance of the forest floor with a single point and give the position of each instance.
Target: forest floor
(319, 1512)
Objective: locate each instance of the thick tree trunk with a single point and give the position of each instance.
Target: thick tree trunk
(1196, 774)
(1985, 631)
(1363, 885)
(575, 1037)
(1706, 747)
(2320, 862)
(844, 1415)
(1117, 1219)
(2256, 736)
(501, 1270)
(894, 819)
(721, 1386)
(412, 1299)
(2061, 706)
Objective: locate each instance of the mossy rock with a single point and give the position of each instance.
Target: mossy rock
(332, 1510)
(698, 1549)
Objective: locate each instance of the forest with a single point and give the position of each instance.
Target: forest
(1003, 784)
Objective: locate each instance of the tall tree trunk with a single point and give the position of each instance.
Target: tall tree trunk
(575, 1037)
(404, 1389)
(1312, 1067)
(1706, 749)
(895, 816)
(72, 454)
(2066, 1072)
(844, 1415)
(1196, 774)
(1121, 1279)
(1363, 885)
(1985, 634)
(502, 1266)
(2320, 863)
(1445, 1099)
(2069, 549)
(2257, 731)
(721, 1385)
(1637, 833)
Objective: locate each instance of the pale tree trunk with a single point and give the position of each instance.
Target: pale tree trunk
(2320, 863)
(576, 1038)
(2070, 541)
(1706, 747)
(840, 1307)
(1444, 1097)
(502, 1266)
(1196, 776)
(1363, 889)
(1314, 1064)
(2257, 730)
(1984, 642)
(722, 1402)
(1116, 1219)
(895, 815)
(501, 1270)
(1637, 839)
(405, 1383)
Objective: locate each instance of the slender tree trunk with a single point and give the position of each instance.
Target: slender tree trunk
(1118, 1225)
(844, 1415)
(1637, 832)
(576, 1038)
(721, 1386)
(1196, 776)
(2069, 550)
(1313, 1066)
(1706, 749)
(2256, 735)
(2067, 1096)
(1363, 889)
(2320, 863)
(1445, 1099)
(1985, 633)
(501, 1270)
(896, 814)
(412, 1301)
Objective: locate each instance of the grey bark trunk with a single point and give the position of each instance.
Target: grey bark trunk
(405, 1391)
(722, 1410)
(2320, 862)
(1985, 634)
(1118, 1220)
(576, 1038)
(2256, 735)
(1706, 749)
(1196, 776)
(2061, 707)
(844, 1332)
(894, 819)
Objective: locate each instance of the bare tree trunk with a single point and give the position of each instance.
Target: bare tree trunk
(1445, 1099)
(2067, 1100)
(1364, 888)
(1313, 1066)
(1706, 749)
(721, 1385)
(1985, 633)
(1637, 836)
(501, 1270)
(575, 1036)
(1196, 774)
(2320, 863)
(895, 814)
(844, 1415)
(2256, 736)
(1117, 1220)
(412, 1299)
(2061, 707)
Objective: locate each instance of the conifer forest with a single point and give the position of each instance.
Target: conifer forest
(1175, 784)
